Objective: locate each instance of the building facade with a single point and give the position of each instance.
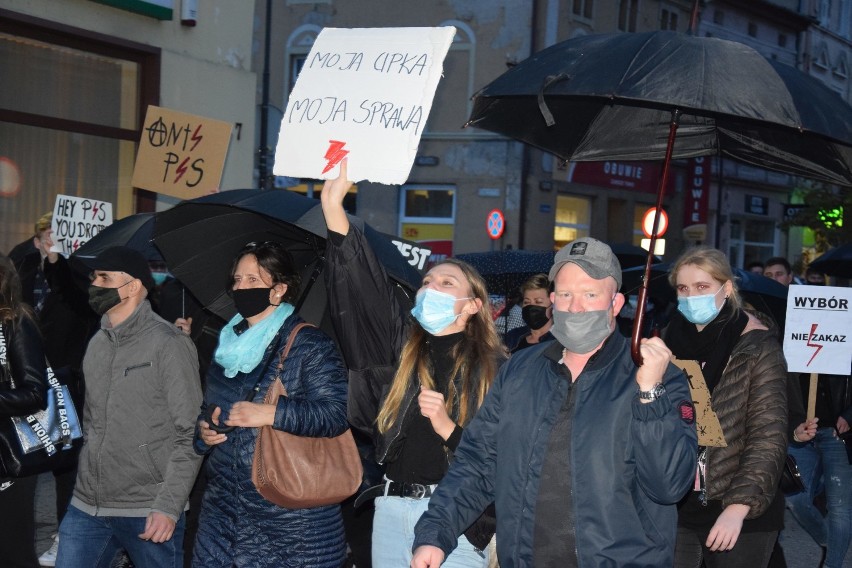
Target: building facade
(78, 77)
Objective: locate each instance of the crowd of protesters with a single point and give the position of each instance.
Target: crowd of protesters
(553, 443)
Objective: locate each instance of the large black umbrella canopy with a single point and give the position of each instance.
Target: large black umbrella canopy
(133, 231)
(505, 270)
(199, 239)
(610, 97)
(835, 262)
(663, 95)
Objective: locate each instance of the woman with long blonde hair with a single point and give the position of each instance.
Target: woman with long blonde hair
(414, 383)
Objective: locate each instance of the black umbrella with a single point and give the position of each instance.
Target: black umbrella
(133, 231)
(631, 255)
(835, 262)
(624, 96)
(505, 270)
(200, 238)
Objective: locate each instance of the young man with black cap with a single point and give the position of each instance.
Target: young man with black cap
(142, 399)
(583, 453)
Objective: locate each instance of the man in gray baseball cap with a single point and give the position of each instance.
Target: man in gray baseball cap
(593, 451)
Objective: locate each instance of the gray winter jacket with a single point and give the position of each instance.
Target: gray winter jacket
(142, 398)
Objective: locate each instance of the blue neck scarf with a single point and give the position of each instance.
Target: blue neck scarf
(242, 353)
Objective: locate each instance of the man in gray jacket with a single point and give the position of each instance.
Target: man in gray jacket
(142, 399)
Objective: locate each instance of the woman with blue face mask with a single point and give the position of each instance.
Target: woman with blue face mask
(417, 376)
(733, 515)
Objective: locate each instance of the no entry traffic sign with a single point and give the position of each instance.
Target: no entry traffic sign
(496, 224)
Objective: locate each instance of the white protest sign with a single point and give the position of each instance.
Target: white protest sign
(76, 220)
(364, 93)
(816, 336)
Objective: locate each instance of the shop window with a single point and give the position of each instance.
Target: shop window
(427, 215)
(71, 123)
(573, 219)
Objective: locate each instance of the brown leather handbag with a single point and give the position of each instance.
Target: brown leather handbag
(299, 472)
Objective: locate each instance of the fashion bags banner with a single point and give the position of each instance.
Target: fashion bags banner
(42, 441)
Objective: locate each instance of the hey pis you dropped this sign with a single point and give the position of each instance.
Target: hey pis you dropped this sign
(816, 335)
(365, 94)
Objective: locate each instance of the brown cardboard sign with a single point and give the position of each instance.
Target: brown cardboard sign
(706, 422)
(181, 154)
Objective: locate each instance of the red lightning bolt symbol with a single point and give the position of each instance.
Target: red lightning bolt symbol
(817, 345)
(94, 210)
(181, 169)
(196, 138)
(334, 154)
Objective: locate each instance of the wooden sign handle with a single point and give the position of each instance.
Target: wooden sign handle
(812, 391)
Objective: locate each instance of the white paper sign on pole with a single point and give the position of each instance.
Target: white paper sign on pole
(817, 332)
(365, 94)
(76, 220)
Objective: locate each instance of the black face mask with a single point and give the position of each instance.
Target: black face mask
(535, 316)
(251, 301)
(102, 300)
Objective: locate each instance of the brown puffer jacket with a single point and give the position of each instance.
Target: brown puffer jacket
(751, 403)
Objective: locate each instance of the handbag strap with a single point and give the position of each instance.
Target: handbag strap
(286, 351)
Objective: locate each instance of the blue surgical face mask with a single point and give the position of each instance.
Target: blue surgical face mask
(159, 277)
(699, 310)
(435, 311)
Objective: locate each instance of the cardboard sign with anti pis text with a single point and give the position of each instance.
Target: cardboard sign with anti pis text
(181, 154)
(362, 94)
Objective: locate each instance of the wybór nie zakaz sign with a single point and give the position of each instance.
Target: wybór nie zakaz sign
(816, 335)
(181, 154)
(364, 94)
(76, 220)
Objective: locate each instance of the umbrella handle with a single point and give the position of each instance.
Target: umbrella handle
(636, 335)
(208, 417)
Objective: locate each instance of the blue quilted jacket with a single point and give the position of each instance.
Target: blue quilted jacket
(237, 526)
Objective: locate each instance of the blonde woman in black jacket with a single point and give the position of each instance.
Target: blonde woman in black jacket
(22, 362)
(733, 516)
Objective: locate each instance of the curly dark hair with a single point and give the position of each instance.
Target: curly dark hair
(277, 261)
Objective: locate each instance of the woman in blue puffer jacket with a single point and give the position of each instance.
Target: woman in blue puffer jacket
(237, 526)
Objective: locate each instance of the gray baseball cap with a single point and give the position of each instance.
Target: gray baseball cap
(593, 256)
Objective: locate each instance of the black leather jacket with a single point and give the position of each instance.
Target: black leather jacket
(25, 358)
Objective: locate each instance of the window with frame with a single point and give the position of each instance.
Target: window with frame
(452, 105)
(573, 219)
(583, 8)
(627, 12)
(71, 123)
(428, 213)
(751, 240)
(668, 20)
(752, 29)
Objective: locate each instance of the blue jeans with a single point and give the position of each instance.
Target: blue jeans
(393, 536)
(86, 541)
(825, 456)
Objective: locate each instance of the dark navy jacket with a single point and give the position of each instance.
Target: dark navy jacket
(237, 525)
(630, 462)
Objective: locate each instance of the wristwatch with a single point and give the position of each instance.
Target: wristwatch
(656, 392)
